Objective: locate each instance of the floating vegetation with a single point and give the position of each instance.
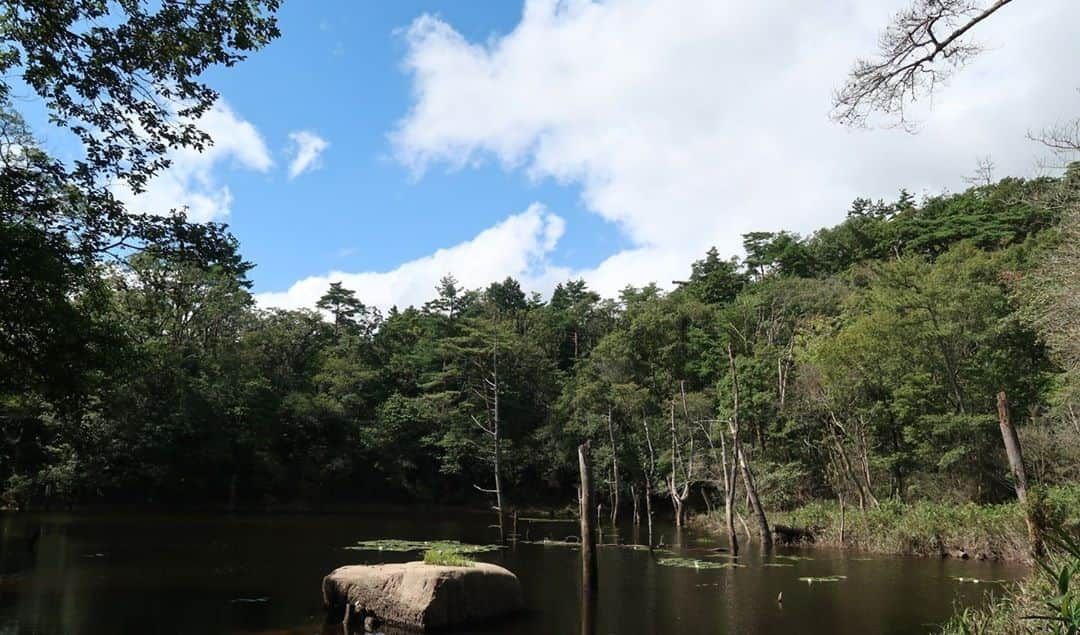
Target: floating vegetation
(552, 543)
(792, 558)
(250, 600)
(827, 578)
(964, 580)
(778, 564)
(691, 563)
(403, 546)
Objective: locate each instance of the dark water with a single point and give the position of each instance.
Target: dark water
(128, 573)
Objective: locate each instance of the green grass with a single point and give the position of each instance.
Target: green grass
(1047, 601)
(447, 558)
(929, 528)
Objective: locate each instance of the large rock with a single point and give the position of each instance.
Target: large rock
(424, 596)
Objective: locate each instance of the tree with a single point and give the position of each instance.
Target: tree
(713, 280)
(919, 49)
(125, 76)
(349, 313)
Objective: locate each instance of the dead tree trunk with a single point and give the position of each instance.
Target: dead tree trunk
(729, 496)
(588, 536)
(614, 471)
(1016, 464)
(490, 393)
(744, 467)
(650, 477)
(679, 493)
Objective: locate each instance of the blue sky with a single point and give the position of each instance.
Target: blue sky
(362, 210)
(613, 140)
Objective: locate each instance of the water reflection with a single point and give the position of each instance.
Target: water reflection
(121, 573)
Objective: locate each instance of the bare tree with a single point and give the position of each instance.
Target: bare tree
(984, 172)
(1062, 138)
(682, 470)
(921, 47)
(614, 470)
(650, 475)
(488, 391)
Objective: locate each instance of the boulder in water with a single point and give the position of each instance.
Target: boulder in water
(424, 596)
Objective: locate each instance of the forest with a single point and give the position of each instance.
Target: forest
(861, 362)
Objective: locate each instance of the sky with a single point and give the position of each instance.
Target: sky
(387, 144)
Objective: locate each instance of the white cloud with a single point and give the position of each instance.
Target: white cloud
(518, 246)
(690, 122)
(190, 181)
(306, 152)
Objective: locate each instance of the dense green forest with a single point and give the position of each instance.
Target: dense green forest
(861, 361)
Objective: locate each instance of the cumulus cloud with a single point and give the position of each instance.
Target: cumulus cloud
(518, 246)
(190, 182)
(690, 122)
(687, 123)
(306, 152)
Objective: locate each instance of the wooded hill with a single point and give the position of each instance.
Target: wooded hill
(864, 361)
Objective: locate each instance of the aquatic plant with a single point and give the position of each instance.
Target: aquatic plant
(692, 563)
(827, 578)
(404, 546)
(447, 558)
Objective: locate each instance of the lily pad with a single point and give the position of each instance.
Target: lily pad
(403, 546)
(827, 578)
(691, 563)
(552, 543)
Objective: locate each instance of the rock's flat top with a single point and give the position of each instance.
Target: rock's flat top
(425, 596)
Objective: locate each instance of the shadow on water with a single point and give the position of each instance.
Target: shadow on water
(92, 574)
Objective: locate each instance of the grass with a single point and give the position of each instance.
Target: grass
(928, 528)
(447, 558)
(1048, 601)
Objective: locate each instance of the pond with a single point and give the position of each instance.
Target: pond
(112, 573)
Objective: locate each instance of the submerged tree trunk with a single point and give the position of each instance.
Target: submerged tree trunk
(1016, 464)
(588, 536)
(648, 512)
(650, 477)
(729, 497)
(755, 502)
(500, 500)
(840, 499)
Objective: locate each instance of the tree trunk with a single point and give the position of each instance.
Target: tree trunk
(588, 536)
(747, 475)
(614, 472)
(755, 502)
(648, 512)
(634, 497)
(500, 501)
(1016, 464)
(729, 497)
